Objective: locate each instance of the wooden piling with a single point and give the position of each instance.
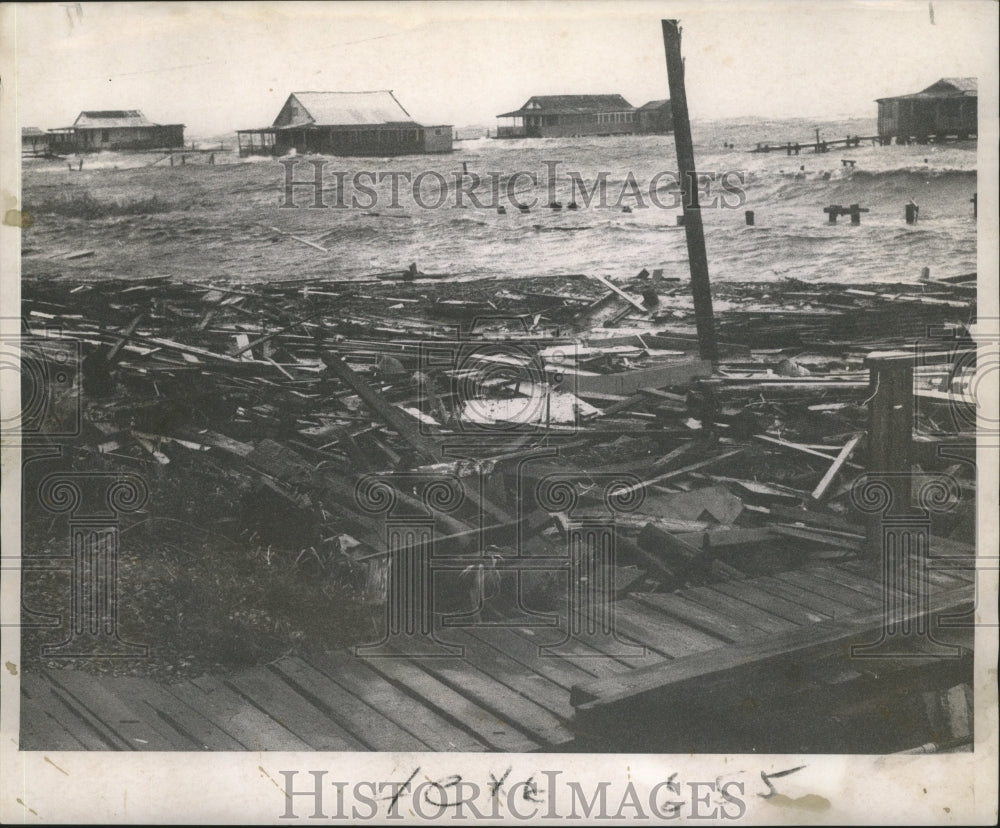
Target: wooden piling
(911, 213)
(855, 211)
(749, 218)
(890, 428)
(701, 288)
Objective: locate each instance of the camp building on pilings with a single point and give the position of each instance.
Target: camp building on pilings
(345, 123)
(944, 109)
(568, 116)
(656, 118)
(34, 141)
(115, 129)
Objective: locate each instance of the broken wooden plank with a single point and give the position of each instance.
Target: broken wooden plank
(242, 348)
(835, 467)
(126, 334)
(619, 492)
(299, 239)
(635, 303)
(681, 372)
(399, 421)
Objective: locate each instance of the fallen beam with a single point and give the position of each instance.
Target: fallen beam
(835, 467)
(658, 376)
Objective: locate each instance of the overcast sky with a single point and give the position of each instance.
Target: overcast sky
(218, 67)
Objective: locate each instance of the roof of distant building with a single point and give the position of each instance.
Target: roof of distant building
(350, 108)
(570, 105)
(944, 88)
(111, 118)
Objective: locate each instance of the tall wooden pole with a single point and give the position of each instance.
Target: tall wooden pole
(701, 288)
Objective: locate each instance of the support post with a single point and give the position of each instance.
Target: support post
(890, 429)
(701, 288)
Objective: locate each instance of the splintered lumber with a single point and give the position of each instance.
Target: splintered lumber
(677, 472)
(766, 438)
(725, 538)
(227, 444)
(835, 467)
(851, 543)
(654, 539)
(244, 347)
(398, 420)
(811, 518)
(635, 303)
(657, 376)
(116, 348)
(189, 349)
(604, 311)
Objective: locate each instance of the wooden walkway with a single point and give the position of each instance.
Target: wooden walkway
(500, 695)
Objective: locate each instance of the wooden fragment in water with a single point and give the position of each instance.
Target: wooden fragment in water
(300, 239)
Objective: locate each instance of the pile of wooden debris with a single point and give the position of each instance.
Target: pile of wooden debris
(297, 395)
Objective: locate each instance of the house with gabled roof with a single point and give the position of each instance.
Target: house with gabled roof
(115, 129)
(944, 109)
(656, 117)
(34, 141)
(345, 123)
(559, 116)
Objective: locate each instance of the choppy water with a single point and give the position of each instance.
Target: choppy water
(791, 237)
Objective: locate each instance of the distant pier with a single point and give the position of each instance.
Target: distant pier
(795, 147)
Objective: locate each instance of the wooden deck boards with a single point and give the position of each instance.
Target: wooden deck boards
(504, 694)
(428, 692)
(428, 726)
(135, 725)
(276, 698)
(236, 716)
(757, 667)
